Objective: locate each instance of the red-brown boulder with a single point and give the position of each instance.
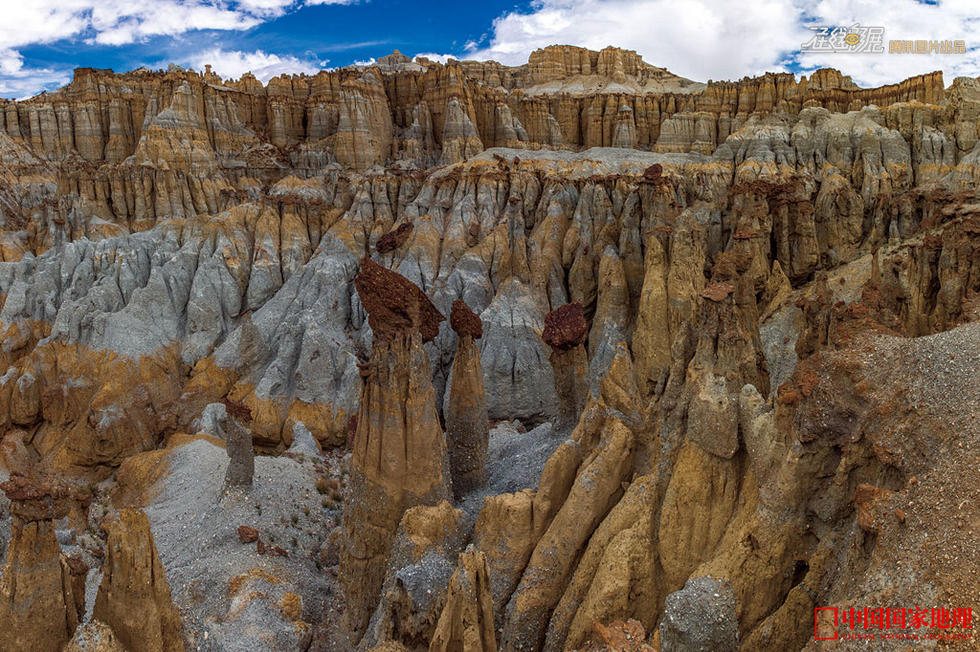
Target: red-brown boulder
(394, 238)
(394, 304)
(37, 498)
(565, 328)
(464, 321)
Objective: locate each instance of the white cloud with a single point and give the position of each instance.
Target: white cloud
(700, 39)
(902, 20)
(720, 39)
(440, 58)
(111, 22)
(265, 66)
(19, 82)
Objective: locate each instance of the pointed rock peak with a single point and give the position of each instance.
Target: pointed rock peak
(395, 305)
(394, 58)
(464, 321)
(565, 327)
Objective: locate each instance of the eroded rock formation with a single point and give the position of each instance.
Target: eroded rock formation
(565, 330)
(238, 444)
(744, 310)
(467, 427)
(399, 450)
(134, 597)
(38, 607)
(466, 622)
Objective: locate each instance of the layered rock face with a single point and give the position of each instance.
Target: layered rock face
(719, 339)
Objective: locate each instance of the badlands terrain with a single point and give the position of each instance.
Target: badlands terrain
(575, 355)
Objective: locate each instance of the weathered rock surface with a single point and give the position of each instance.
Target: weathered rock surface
(467, 426)
(399, 451)
(466, 622)
(768, 379)
(134, 597)
(700, 617)
(38, 608)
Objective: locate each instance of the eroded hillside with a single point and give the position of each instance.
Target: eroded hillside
(525, 353)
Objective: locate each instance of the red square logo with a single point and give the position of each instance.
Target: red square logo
(825, 623)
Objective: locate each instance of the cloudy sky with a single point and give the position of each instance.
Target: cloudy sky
(41, 41)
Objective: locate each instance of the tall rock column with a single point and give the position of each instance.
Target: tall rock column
(38, 610)
(238, 444)
(399, 457)
(565, 330)
(134, 597)
(467, 426)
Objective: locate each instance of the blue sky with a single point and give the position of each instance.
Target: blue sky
(41, 41)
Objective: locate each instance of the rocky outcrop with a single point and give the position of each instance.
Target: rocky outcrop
(581, 482)
(701, 616)
(134, 597)
(94, 636)
(399, 456)
(466, 622)
(419, 566)
(467, 428)
(565, 330)
(38, 607)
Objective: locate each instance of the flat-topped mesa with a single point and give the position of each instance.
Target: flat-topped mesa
(398, 456)
(467, 424)
(238, 444)
(411, 112)
(38, 606)
(395, 305)
(565, 330)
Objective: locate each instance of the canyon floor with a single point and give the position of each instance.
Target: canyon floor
(574, 355)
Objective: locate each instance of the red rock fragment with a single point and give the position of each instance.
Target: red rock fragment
(395, 305)
(37, 498)
(653, 172)
(247, 534)
(237, 410)
(464, 321)
(718, 292)
(394, 238)
(565, 328)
